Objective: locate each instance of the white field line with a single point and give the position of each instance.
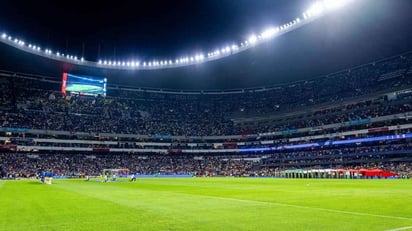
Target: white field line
(314, 208)
(401, 228)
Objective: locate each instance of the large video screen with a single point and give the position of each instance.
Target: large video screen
(83, 85)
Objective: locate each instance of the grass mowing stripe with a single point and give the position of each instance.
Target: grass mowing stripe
(314, 208)
(292, 206)
(206, 204)
(170, 209)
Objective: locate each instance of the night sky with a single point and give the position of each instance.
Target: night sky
(146, 29)
(363, 32)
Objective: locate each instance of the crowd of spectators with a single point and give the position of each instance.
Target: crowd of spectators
(37, 104)
(34, 104)
(257, 164)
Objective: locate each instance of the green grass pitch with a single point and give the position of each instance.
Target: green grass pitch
(207, 204)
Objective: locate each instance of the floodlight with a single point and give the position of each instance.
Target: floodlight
(316, 9)
(268, 33)
(3, 36)
(252, 39)
(100, 62)
(305, 16)
(334, 4)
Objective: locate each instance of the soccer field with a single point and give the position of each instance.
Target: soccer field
(207, 204)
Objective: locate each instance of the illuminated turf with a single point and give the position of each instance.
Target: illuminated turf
(207, 204)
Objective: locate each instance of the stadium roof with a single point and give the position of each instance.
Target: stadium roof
(366, 31)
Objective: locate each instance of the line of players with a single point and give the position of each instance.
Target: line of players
(105, 178)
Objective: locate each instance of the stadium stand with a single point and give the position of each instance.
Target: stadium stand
(210, 133)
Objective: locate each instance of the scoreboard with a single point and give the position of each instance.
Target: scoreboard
(83, 85)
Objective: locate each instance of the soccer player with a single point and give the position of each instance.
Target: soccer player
(133, 178)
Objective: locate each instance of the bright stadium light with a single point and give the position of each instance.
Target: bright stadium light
(316, 9)
(269, 33)
(252, 39)
(4, 35)
(334, 4)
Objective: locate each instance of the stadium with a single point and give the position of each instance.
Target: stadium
(206, 115)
